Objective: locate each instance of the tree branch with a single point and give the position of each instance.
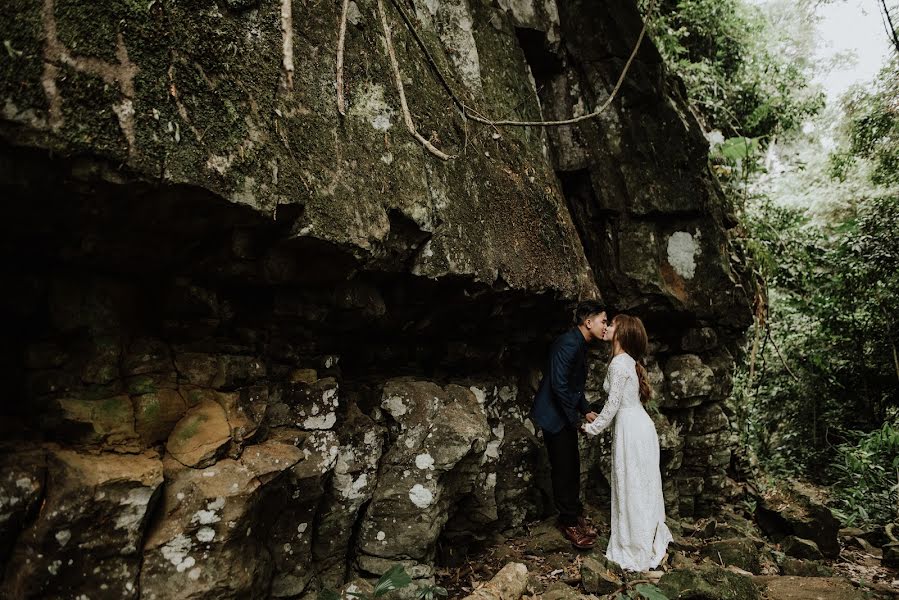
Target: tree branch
(891, 28)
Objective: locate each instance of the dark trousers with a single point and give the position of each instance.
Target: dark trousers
(565, 466)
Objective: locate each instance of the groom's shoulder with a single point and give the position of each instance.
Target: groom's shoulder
(566, 337)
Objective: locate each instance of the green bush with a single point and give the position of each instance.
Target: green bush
(866, 477)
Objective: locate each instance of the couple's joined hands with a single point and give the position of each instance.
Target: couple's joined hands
(590, 416)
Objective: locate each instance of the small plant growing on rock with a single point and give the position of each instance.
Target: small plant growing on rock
(431, 592)
(394, 579)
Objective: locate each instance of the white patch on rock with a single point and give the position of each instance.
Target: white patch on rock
(23, 483)
(176, 552)
(205, 534)
(330, 396)
(480, 394)
(63, 536)
(323, 422)
(492, 450)
(135, 505)
(219, 164)
(352, 489)
(522, 10)
(301, 528)
(381, 535)
(194, 573)
(210, 515)
(452, 19)
(394, 405)
(424, 461)
(421, 496)
(353, 15)
(682, 252)
(370, 438)
(372, 107)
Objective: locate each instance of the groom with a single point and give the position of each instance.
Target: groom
(559, 409)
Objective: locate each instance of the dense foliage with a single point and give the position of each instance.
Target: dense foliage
(818, 393)
(736, 77)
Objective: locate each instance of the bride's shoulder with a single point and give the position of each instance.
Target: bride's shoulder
(622, 362)
(622, 359)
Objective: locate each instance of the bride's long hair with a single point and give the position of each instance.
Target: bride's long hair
(631, 336)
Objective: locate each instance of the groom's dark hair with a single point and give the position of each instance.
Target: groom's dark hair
(586, 309)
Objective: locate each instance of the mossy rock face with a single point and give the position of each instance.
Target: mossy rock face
(108, 422)
(223, 98)
(707, 583)
(739, 552)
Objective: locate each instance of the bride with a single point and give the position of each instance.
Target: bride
(639, 534)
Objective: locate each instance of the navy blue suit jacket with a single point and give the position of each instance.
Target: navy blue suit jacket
(560, 400)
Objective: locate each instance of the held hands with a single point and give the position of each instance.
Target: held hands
(590, 416)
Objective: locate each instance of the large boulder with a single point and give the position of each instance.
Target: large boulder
(781, 513)
(690, 382)
(438, 440)
(235, 527)
(87, 538)
(200, 436)
(355, 475)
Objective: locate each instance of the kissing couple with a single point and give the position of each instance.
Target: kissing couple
(639, 536)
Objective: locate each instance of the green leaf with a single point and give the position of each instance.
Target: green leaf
(650, 592)
(737, 148)
(393, 579)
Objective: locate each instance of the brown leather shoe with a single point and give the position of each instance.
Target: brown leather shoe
(586, 526)
(578, 538)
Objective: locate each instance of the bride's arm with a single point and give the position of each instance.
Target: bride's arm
(617, 377)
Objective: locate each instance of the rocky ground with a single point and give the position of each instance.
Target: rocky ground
(749, 550)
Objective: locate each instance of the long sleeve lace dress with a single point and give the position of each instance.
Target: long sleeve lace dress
(639, 534)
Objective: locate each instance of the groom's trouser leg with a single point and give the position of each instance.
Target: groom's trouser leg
(565, 467)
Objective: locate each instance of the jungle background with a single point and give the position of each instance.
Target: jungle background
(814, 181)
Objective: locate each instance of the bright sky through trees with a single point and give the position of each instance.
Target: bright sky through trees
(850, 26)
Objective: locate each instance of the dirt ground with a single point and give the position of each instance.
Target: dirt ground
(551, 560)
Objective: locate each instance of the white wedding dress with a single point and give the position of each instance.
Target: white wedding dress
(639, 534)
